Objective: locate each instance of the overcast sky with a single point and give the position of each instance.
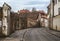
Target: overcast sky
(26, 4)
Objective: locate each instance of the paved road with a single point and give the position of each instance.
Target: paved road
(32, 34)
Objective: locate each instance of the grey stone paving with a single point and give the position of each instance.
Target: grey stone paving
(31, 34)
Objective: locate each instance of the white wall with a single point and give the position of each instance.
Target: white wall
(56, 8)
(0, 23)
(51, 8)
(6, 19)
(4, 22)
(46, 23)
(56, 23)
(56, 19)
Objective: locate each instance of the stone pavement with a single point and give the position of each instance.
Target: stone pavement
(10, 39)
(53, 32)
(31, 34)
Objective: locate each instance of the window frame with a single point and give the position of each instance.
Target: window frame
(55, 2)
(58, 0)
(59, 11)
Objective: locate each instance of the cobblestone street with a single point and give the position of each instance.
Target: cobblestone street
(31, 34)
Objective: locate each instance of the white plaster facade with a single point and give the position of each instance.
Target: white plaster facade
(51, 7)
(39, 19)
(55, 17)
(46, 23)
(56, 6)
(56, 23)
(6, 19)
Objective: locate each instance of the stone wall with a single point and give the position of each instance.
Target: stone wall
(31, 23)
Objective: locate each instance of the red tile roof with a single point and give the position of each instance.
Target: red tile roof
(24, 11)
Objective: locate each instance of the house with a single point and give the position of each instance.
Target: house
(24, 11)
(32, 19)
(6, 19)
(1, 15)
(42, 18)
(55, 15)
(31, 23)
(49, 15)
(45, 20)
(36, 19)
(7, 22)
(14, 18)
(23, 18)
(27, 18)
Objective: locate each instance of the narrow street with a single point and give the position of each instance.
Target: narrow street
(29, 20)
(31, 34)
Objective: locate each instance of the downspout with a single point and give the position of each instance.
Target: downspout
(53, 13)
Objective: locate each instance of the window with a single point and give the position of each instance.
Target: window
(55, 2)
(59, 11)
(0, 23)
(58, 0)
(5, 16)
(4, 27)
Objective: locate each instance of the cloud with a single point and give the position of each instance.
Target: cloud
(33, 3)
(26, 4)
(36, 2)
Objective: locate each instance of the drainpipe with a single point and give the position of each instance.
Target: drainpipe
(53, 8)
(53, 12)
(56, 27)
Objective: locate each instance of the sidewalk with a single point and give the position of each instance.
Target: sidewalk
(56, 33)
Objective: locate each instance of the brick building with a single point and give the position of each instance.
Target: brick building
(23, 18)
(32, 19)
(14, 21)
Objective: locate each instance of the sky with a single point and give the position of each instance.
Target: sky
(26, 4)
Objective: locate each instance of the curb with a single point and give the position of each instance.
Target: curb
(53, 34)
